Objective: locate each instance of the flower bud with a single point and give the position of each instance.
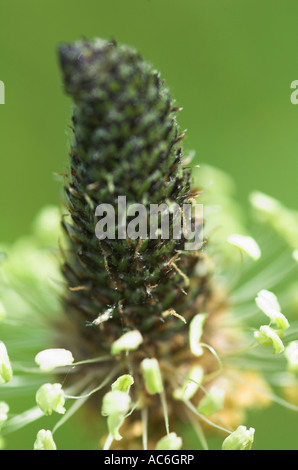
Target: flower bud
(195, 334)
(266, 336)
(44, 441)
(190, 385)
(2, 312)
(115, 402)
(50, 397)
(169, 442)
(47, 224)
(246, 244)
(265, 204)
(114, 423)
(4, 409)
(268, 303)
(283, 220)
(291, 353)
(51, 358)
(241, 439)
(130, 341)
(123, 383)
(115, 405)
(213, 401)
(152, 376)
(5, 366)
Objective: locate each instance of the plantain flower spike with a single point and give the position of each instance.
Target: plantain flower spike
(141, 287)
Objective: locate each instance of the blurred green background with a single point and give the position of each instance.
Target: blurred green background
(229, 63)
